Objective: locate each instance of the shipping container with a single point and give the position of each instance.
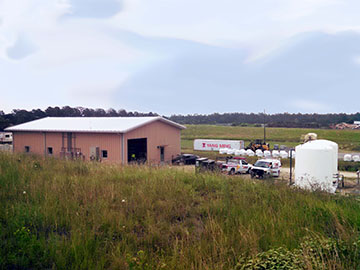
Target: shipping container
(216, 145)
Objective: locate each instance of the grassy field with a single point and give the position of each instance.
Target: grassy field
(347, 139)
(71, 215)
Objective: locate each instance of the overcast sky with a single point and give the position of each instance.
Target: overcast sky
(181, 56)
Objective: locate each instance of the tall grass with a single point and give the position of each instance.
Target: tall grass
(74, 215)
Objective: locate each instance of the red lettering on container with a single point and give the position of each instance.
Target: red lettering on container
(212, 145)
(225, 145)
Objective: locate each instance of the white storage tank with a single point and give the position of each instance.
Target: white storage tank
(237, 152)
(356, 158)
(316, 165)
(223, 151)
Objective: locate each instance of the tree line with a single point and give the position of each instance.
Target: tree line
(17, 117)
(243, 119)
(272, 120)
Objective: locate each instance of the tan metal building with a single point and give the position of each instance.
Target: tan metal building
(106, 139)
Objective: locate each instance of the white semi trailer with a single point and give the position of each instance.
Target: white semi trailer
(216, 145)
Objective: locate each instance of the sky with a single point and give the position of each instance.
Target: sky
(181, 56)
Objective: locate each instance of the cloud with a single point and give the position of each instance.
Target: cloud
(90, 94)
(292, 10)
(41, 53)
(312, 74)
(259, 26)
(27, 18)
(95, 8)
(310, 106)
(179, 56)
(22, 48)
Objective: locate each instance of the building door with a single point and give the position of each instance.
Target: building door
(69, 141)
(94, 153)
(137, 150)
(162, 153)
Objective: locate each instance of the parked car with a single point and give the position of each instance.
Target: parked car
(236, 165)
(185, 159)
(264, 168)
(207, 165)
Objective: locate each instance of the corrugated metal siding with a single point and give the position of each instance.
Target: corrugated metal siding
(54, 140)
(109, 142)
(39, 142)
(157, 134)
(34, 140)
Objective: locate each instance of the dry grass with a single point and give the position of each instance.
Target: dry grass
(73, 215)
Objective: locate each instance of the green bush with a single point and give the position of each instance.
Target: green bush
(22, 249)
(313, 253)
(349, 166)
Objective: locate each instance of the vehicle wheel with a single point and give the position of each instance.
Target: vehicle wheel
(248, 171)
(232, 172)
(252, 174)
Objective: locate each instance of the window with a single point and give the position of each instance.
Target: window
(27, 149)
(50, 150)
(104, 153)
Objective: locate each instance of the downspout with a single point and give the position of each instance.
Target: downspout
(13, 143)
(44, 144)
(74, 138)
(62, 140)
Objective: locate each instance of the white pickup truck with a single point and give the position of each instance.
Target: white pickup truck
(236, 165)
(266, 168)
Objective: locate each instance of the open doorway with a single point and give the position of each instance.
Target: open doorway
(162, 153)
(137, 150)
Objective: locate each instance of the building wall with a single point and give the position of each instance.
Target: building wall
(157, 134)
(34, 140)
(110, 142)
(53, 140)
(40, 142)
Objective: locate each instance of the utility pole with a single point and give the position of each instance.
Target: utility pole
(264, 127)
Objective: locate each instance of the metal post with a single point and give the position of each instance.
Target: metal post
(290, 167)
(264, 127)
(358, 177)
